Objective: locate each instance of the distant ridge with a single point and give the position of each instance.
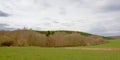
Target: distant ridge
(116, 37)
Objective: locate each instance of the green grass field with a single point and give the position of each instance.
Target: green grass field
(37, 53)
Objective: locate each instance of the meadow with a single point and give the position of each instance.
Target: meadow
(41, 53)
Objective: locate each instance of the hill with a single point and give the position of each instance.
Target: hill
(115, 37)
(49, 38)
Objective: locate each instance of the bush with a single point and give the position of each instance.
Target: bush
(7, 43)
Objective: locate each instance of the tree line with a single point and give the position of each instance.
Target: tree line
(48, 38)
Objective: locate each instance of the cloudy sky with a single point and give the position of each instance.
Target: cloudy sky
(93, 16)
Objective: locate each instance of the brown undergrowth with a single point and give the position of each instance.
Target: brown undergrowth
(103, 49)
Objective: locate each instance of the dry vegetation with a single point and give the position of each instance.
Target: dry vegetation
(48, 38)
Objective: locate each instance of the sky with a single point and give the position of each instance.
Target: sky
(99, 17)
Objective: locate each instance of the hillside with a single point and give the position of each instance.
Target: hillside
(116, 37)
(49, 38)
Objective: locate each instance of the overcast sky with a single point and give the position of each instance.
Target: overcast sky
(100, 17)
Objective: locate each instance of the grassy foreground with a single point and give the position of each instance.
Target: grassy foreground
(37, 53)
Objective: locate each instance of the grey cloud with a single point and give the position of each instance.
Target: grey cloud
(3, 14)
(3, 27)
(46, 3)
(112, 8)
(107, 28)
(80, 15)
(62, 11)
(111, 5)
(100, 30)
(56, 22)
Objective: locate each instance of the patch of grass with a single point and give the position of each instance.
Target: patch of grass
(111, 44)
(36, 53)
